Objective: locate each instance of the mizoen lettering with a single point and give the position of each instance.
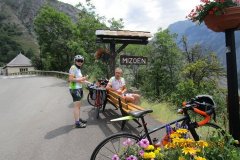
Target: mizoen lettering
(134, 60)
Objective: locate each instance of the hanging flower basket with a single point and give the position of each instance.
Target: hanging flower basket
(229, 20)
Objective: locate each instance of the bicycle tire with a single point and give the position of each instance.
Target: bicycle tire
(112, 145)
(207, 131)
(90, 100)
(210, 130)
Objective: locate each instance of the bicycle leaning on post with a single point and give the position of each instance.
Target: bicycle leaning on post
(202, 104)
(97, 94)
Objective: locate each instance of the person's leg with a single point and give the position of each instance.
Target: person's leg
(76, 110)
(129, 98)
(79, 123)
(77, 95)
(81, 96)
(136, 98)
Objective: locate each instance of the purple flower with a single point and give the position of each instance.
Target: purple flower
(128, 142)
(141, 153)
(144, 143)
(115, 157)
(132, 158)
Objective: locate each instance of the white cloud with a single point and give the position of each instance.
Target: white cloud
(144, 15)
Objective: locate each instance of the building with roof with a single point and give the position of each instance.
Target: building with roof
(19, 64)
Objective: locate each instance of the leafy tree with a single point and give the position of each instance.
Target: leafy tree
(138, 50)
(29, 53)
(200, 64)
(116, 24)
(37, 63)
(85, 39)
(54, 32)
(158, 81)
(200, 74)
(9, 47)
(87, 24)
(131, 72)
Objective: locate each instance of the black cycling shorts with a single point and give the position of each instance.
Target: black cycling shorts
(77, 94)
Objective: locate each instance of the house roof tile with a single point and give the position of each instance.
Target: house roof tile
(19, 60)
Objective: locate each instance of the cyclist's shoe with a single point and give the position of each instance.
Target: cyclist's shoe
(80, 125)
(82, 120)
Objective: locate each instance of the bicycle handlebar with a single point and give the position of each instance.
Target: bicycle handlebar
(193, 105)
(206, 119)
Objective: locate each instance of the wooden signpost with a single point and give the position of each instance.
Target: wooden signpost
(122, 38)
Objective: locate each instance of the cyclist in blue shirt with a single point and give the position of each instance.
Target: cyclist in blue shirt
(76, 80)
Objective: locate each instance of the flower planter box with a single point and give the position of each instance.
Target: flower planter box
(220, 23)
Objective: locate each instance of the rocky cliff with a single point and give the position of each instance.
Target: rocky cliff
(20, 15)
(26, 10)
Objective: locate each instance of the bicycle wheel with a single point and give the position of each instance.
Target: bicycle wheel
(210, 130)
(90, 100)
(112, 145)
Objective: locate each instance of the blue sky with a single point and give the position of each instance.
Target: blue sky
(143, 15)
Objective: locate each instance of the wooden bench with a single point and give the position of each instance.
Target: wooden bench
(119, 102)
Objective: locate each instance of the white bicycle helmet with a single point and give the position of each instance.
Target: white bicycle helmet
(77, 57)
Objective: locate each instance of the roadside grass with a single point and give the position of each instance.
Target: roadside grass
(163, 112)
(166, 112)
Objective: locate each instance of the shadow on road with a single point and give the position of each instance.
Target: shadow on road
(59, 131)
(84, 103)
(105, 124)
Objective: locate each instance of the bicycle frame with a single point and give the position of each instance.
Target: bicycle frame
(113, 144)
(185, 119)
(97, 101)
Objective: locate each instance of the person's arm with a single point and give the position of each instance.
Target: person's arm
(123, 90)
(72, 78)
(109, 86)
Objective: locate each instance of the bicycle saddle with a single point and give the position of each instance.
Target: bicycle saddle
(138, 114)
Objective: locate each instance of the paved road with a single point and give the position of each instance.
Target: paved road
(37, 124)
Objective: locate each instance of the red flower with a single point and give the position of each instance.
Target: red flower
(215, 8)
(211, 12)
(211, 7)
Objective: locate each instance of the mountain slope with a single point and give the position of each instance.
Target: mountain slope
(20, 15)
(25, 39)
(26, 10)
(202, 35)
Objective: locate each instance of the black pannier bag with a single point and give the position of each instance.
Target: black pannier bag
(92, 91)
